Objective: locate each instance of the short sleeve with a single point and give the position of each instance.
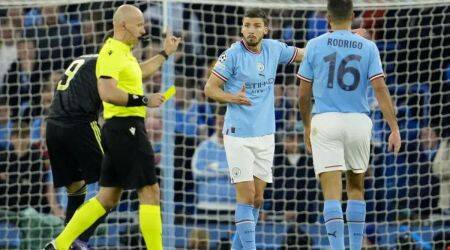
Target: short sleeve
(288, 53)
(305, 72)
(375, 67)
(108, 63)
(224, 67)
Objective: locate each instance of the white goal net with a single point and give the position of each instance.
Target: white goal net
(408, 195)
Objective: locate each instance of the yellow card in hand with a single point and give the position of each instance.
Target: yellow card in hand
(170, 92)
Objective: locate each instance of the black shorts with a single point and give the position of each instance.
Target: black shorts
(129, 161)
(75, 152)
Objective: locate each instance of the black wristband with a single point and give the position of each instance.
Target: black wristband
(164, 54)
(136, 100)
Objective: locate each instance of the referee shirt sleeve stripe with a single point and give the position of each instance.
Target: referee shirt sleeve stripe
(223, 78)
(294, 55)
(376, 76)
(304, 78)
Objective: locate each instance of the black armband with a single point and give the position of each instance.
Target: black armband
(136, 100)
(164, 54)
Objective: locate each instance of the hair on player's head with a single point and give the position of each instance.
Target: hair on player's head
(108, 34)
(257, 13)
(340, 10)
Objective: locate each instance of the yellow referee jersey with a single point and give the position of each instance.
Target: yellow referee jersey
(116, 60)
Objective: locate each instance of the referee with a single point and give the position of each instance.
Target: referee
(128, 160)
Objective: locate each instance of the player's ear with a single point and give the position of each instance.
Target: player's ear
(266, 30)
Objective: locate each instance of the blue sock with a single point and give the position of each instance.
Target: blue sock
(334, 222)
(356, 217)
(237, 245)
(245, 227)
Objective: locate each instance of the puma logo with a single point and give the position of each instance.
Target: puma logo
(110, 52)
(333, 234)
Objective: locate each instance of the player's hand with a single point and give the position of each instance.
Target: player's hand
(362, 32)
(241, 97)
(155, 100)
(395, 142)
(307, 139)
(171, 43)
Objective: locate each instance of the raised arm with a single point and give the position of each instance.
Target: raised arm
(150, 66)
(299, 55)
(387, 108)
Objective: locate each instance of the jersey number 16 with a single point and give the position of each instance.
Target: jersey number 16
(342, 70)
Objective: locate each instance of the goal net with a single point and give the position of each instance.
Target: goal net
(408, 195)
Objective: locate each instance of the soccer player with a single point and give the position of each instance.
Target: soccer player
(337, 69)
(128, 161)
(247, 70)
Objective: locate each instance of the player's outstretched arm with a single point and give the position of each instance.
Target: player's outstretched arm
(150, 66)
(110, 93)
(387, 108)
(299, 55)
(363, 33)
(213, 89)
(305, 92)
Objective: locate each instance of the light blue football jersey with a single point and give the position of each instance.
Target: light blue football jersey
(238, 66)
(340, 66)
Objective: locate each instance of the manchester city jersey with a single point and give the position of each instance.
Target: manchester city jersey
(340, 66)
(238, 66)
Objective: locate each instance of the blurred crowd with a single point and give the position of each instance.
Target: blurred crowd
(37, 43)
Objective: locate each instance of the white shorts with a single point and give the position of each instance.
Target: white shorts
(250, 156)
(340, 141)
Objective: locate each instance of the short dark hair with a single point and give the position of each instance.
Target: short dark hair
(257, 13)
(340, 9)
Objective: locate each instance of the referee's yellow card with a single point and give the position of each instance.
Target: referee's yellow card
(170, 92)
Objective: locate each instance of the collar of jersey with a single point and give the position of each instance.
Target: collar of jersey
(246, 48)
(120, 45)
(340, 31)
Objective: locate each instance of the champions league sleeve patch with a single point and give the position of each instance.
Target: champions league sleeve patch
(223, 57)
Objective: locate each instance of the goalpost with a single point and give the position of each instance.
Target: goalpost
(408, 195)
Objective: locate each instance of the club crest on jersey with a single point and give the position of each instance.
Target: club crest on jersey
(223, 57)
(260, 67)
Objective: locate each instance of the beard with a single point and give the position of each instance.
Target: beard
(252, 41)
